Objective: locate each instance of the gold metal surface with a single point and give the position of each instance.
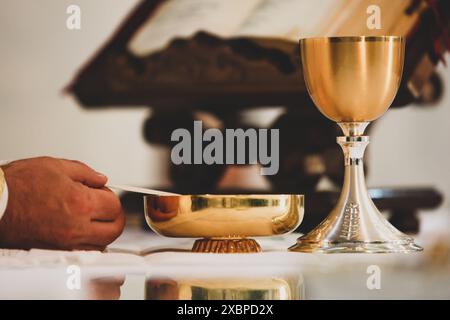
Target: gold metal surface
(224, 218)
(352, 81)
(220, 289)
(224, 245)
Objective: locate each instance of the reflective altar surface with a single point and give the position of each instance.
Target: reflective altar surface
(140, 265)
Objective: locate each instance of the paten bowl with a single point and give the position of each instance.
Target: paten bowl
(224, 221)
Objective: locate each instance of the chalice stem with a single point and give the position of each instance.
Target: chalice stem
(354, 195)
(354, 205)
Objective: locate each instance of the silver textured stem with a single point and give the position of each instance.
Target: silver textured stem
(352, 129)
(355, 224)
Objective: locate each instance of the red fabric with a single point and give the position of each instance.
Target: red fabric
(444, 31)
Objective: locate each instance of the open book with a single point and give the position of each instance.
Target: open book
(137, 66)
(285, 19)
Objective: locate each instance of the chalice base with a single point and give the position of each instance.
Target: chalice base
(355, 224)
(355, 227)
(226, 245)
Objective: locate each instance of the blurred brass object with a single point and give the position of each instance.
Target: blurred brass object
(353, 80)
(221, 289)
(224, 220)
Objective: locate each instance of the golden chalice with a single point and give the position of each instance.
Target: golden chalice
(352, 81)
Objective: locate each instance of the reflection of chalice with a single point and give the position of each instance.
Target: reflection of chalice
(352, 81)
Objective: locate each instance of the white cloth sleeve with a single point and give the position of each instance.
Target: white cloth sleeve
(3, 200)
(4, 195)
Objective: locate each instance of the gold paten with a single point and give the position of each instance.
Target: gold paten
(352, 81)
(224, 221)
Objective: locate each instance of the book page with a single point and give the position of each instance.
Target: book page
(183, 18)
(289, 19)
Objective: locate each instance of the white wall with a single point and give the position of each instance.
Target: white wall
(38, 56)
(411, 146)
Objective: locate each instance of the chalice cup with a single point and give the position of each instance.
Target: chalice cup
(352, 81)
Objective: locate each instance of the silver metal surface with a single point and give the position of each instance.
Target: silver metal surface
(355, 224)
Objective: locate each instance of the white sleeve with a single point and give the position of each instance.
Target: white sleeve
(4, 191)
(3, 199)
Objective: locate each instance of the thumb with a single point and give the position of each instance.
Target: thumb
(81, 172)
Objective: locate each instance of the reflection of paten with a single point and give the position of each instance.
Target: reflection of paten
(225, 220)
(221, 289)
(353, 80)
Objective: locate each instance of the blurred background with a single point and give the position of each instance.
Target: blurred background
(40, 57)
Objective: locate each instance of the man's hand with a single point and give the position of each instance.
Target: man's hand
(58, 204)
